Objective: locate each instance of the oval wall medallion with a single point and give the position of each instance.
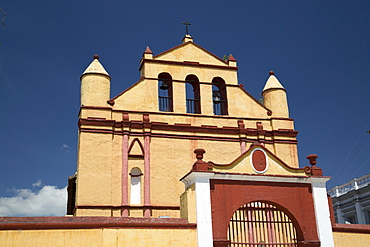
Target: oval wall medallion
(259, 161)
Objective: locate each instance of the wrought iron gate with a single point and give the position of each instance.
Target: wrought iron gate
(258, 224)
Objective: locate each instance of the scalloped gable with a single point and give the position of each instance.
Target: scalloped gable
(190, 52)
(274, 165)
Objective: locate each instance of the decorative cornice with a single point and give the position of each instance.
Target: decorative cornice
(230, 177)
(184, 114)
(188, 137)
(180, 127)
(186, 63)
(184, 44)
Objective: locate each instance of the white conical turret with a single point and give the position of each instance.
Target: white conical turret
(95, 85)
(274, 97)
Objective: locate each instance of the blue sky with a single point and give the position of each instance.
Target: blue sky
(319, 51)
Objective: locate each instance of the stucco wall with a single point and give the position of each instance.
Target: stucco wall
(346, 239)
(98, 238)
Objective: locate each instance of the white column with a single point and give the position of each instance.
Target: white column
(339, 214)
(322, 212)
(203, 207)
(359, 213)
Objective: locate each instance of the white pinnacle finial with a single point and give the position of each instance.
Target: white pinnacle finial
(95, 67)
(272, 83)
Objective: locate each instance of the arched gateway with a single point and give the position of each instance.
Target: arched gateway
(259, 224)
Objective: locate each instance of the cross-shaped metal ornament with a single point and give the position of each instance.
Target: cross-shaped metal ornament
(187, 26)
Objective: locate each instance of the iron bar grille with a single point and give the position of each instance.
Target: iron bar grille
(192, 106)
(165, 103)
(220, 107)
(259, 224)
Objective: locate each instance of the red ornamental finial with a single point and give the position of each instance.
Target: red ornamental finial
(200, 165)
(315, 171)
(312, 158)
(231, 58)
(199, 153)
(148, 51)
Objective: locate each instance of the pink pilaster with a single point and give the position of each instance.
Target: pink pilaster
(242, 136)
(124, 184)
(242, 146)
(147, 174)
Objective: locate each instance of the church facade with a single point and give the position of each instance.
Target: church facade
(187, 157)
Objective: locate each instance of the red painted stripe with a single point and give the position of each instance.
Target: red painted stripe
(355, 228)
(36, 223)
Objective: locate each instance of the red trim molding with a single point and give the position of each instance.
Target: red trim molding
(189, 137)
(38, 223)
(96, 122)
(161, 207)
(355, 228)
(125, 208)
(96, 107)
(183, 114)
(179, 127)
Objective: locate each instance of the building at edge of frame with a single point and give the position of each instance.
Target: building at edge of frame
(187, 157)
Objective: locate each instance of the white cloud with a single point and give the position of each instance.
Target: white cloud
(65, 147)
(37, 184)
(48, 201)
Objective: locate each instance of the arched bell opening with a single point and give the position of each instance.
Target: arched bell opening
(262, 224)
(219, 96)
(165, 94)
(192, 94)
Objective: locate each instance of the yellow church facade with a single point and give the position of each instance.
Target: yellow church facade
(187, 157)
(131, 131)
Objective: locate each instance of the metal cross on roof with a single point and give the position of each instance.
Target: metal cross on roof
(187, 26)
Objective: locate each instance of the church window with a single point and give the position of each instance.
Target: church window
(219, 96)
(135, 192)
(192, 94)
(165, 96)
